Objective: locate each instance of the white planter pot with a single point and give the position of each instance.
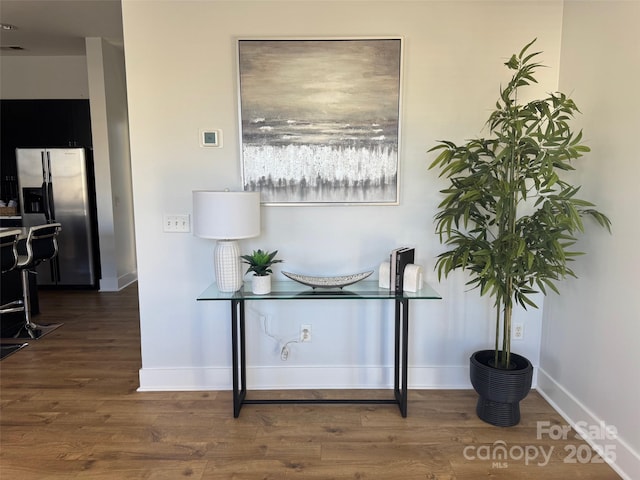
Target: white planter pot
(261, 285)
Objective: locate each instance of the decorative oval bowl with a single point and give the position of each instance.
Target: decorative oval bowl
(328, 282)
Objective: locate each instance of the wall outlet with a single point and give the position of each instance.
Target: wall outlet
(517, 331)
(305, 333)
(175, 223)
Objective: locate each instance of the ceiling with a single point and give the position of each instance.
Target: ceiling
(58, 27)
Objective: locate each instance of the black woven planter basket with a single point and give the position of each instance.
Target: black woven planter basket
(500, 390)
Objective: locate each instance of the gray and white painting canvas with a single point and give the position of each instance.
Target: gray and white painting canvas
(320, 120)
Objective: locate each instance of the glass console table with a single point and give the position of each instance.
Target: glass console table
(289, 290)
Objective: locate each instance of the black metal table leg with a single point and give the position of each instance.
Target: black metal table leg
(234, 357)
(397, 349)
(401, 345)
(238, 358)
(405, 356)
(243, 354)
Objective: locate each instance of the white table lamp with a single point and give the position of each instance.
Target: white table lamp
(226, 217)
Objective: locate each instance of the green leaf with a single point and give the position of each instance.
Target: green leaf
(513, 62)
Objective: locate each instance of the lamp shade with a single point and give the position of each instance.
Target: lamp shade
(226, 215)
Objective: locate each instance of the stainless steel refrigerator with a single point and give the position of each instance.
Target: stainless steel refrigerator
(56, 185)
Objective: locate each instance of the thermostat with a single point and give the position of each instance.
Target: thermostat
(210, 138)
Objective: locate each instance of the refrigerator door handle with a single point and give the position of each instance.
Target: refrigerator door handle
(45, 201)
(50, 205)
(45, 187)
(44, 169)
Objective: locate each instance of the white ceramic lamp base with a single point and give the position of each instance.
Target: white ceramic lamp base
(226, 260)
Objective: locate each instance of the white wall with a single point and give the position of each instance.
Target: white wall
(181, 76)
(590, 355)
(109, 121)
(33, 77)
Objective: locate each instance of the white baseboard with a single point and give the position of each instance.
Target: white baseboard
(627, 461)
(445, 378)
(127, 279)
(184, 379)
(301, 377)
(113, 284)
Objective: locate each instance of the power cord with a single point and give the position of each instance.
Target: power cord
(284, 346)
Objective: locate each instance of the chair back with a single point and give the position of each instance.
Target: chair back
(8, 243)
(42, 243)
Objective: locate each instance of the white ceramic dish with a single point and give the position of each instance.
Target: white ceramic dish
(327, 282)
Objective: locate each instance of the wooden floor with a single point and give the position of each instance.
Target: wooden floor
(70, 410)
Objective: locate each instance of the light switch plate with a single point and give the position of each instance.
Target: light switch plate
(176, 223)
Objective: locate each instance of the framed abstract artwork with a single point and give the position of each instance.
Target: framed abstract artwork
(320, 119)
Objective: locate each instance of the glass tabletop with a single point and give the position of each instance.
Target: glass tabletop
(290, 290)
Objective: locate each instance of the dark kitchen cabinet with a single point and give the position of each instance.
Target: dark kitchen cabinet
(40, 123)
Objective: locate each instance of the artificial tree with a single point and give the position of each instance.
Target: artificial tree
(508, 216)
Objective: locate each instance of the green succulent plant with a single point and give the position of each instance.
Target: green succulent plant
(509, 218)
(260, 262)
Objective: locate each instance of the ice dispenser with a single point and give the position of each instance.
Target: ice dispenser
(33, 199)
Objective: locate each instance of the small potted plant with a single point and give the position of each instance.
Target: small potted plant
(510, 220)
(260, 264)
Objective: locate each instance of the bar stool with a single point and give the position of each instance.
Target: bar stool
(9, 251)
(40, 245)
